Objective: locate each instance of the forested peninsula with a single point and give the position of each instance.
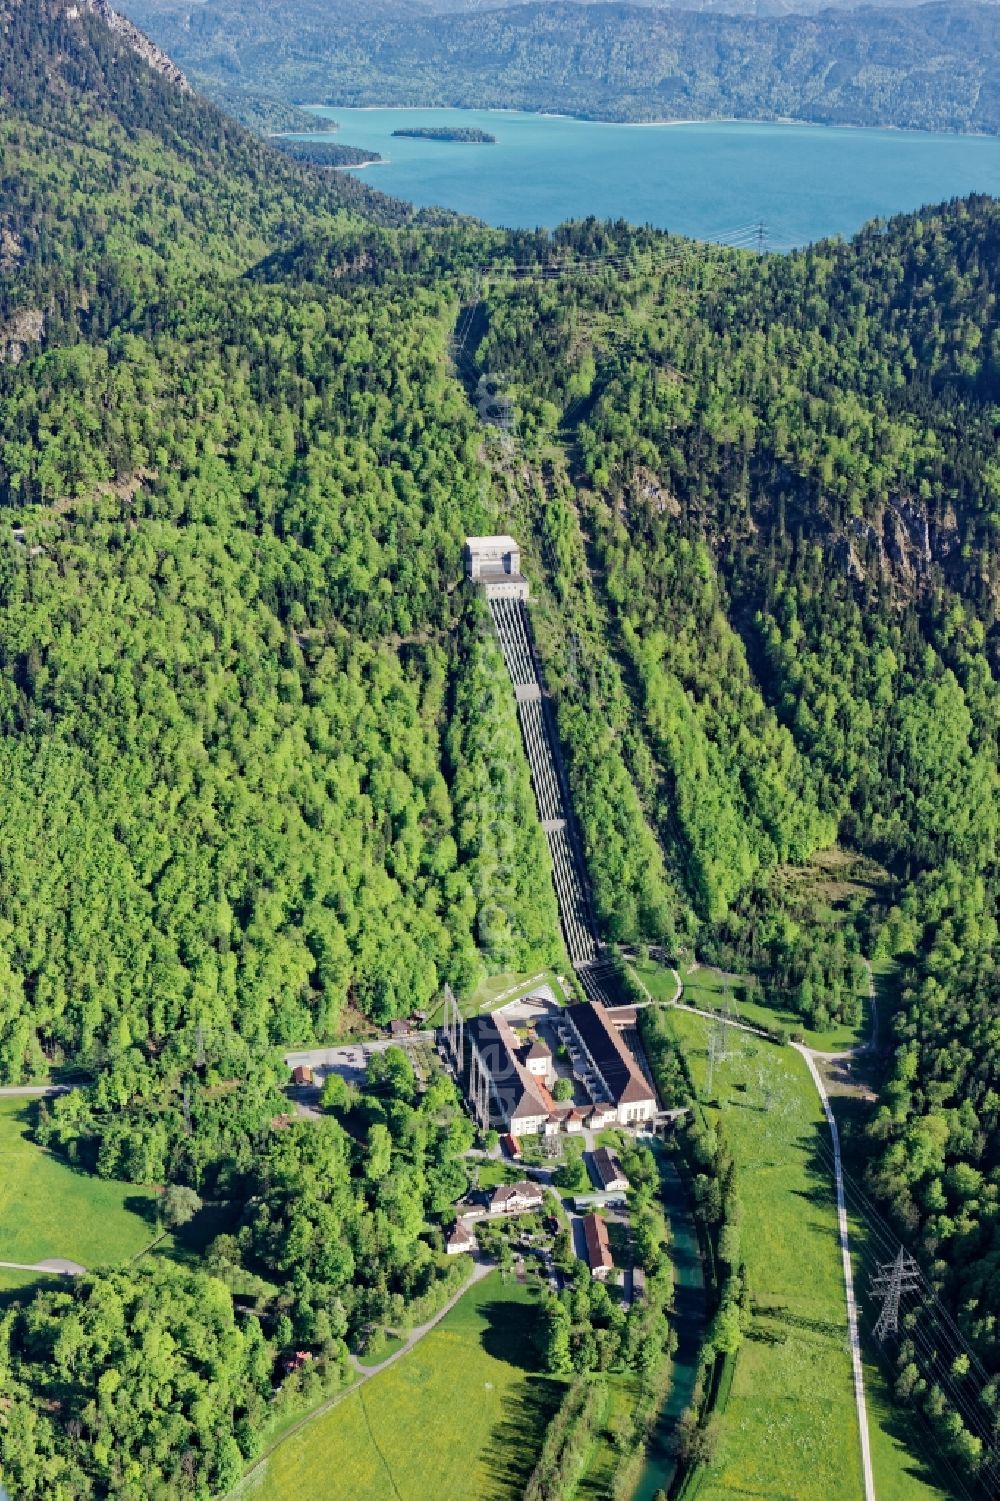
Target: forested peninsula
(265, 786)
(326, 153)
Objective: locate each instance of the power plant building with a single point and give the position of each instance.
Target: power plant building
(495, 563)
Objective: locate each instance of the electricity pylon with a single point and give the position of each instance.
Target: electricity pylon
(892, 1279)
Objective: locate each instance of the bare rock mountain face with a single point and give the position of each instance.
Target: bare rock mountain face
(140, 44)
(19, 332)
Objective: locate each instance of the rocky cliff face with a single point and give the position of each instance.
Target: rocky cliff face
(19, 332)
(133, 37)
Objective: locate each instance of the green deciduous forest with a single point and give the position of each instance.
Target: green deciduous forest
(930, 67)
(263, 777)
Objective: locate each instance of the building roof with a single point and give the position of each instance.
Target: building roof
(462, 1236)
(608, 1169)
(617, 1067)
(302, 1074)
(505, 1192)
(598, 1248)
(623, 1016)
(518, 1093)
(479, 544)
(539, 1049)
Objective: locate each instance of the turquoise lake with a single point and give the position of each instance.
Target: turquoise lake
(707, 180)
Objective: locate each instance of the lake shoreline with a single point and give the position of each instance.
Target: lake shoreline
(659, 124)
(774, 185)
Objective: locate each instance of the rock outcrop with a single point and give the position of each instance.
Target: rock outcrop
(140, 44)
(18, 332)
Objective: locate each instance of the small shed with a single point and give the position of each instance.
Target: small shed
(302, 1075)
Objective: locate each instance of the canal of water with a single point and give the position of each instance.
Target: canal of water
(690, 1313)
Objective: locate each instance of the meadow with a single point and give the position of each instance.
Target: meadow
(708, 988)
(790, 1428)
(48, 1209)
(790, 1431)
(463, 1414)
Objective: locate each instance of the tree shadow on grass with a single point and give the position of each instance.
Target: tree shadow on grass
(142, 1205)
(23, 1295)
(511, 1333)
(516, 1441)
(191, 1241)
(514, 1444)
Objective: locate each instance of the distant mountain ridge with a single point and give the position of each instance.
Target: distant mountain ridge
(933, 67)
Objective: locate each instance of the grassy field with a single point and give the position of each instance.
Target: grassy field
(47, 1209)
(492, 1171)
(657, 978)
(790, 1430)
(708, 987)
(462, 1415)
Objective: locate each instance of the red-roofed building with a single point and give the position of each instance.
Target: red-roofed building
(599, 1256)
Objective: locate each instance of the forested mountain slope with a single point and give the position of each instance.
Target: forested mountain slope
(246, 779)
(785, 508)
(260, 759)
(934, 66)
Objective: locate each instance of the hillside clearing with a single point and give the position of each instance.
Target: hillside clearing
(48, 1210)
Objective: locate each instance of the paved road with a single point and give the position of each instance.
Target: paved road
(34, 1091)
(53, 1264)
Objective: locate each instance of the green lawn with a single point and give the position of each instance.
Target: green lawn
(657, 978)
(461, 1416)
(790, 1429)
(707, 988)
(493, 1171)
(47, 1209)
(381, 1345)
